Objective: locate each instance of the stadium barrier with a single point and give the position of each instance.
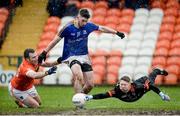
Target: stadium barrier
(106, 70)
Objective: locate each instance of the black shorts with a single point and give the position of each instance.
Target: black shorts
(85, 67)
(142, 79)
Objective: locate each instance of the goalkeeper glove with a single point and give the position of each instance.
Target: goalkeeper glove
(88, 97)
(164, 96)
(51, 70)
(120, 34)
(42, 57)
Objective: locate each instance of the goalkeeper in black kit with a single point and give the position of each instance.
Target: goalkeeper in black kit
(130, 92)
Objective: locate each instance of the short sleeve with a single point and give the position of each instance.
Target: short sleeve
(92, 27)
(62, 33)
(25, 69)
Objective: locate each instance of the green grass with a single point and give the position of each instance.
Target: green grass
(58, 99)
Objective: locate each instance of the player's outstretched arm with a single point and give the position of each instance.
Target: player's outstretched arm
(53, 43)
(109, 30)
(98, 96)
(42, 56)
(39, 75)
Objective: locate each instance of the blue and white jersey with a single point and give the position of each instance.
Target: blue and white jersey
(76, 39)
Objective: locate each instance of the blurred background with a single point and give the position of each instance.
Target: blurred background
(152, 28)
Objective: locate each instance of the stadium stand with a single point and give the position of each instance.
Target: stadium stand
(150, 42)
(152, 39)
(5, 20)
(24, 31)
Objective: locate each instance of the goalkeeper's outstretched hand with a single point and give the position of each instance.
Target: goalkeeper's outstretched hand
(122, 35)
(88, 97)
(164, 97)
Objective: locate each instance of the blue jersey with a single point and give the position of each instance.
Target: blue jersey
(76, 39)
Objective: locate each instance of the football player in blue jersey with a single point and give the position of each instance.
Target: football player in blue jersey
(75, 51)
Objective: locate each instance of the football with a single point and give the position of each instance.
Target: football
(79, 99)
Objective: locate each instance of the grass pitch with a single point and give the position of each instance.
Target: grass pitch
(57, 100)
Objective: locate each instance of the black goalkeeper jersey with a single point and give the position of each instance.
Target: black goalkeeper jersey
(136, 92)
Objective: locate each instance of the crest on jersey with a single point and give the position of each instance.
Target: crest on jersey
(84, 32)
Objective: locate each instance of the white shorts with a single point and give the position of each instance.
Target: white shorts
(21, 95)
(81, 58)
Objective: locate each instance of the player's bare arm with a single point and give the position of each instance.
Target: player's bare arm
(39, 75)
(57, 38)
(109, 30)
(52, 43)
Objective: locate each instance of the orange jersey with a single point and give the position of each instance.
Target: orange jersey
(20, 81)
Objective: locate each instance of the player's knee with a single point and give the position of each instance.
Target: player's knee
(36, 106)
(76, 68)
(78, 76)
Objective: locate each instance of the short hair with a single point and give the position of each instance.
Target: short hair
(126, 78)
(27, 51)
(84, 13)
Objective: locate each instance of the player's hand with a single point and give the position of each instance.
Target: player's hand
(164, 97)
(88, 97)
(122, 35)
(59, 60)
(52, 70)
(42, 57)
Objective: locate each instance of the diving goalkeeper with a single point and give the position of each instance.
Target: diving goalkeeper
(130, 92)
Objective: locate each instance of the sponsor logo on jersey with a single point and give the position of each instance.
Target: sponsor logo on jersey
(73, 34)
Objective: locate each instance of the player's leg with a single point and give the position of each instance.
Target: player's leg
(152, 77)
(88, 82)
(88, 77)
(20, 104)
(77, 75)
(155, 72)
(34, 94)
(12, 93)
(23, 99)
(38, 99)
(30, 102)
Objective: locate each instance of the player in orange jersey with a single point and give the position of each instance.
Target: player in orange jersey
(21, 86)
